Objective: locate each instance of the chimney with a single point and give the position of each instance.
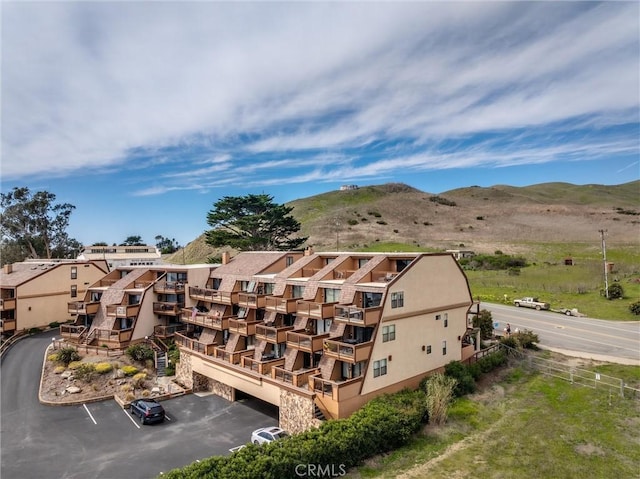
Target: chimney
(308, 251)
(8, 268)
(225, 257)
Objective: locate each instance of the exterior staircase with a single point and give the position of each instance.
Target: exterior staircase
(318, 414)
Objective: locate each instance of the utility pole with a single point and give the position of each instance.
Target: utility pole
(604, 259)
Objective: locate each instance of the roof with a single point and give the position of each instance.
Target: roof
(26, 271)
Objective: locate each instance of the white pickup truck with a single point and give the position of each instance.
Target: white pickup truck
(531, 303)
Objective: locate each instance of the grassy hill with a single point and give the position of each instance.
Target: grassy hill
(396, 216)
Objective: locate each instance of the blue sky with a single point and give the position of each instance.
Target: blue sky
(144, 114)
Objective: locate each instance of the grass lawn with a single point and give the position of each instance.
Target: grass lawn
(526, 426)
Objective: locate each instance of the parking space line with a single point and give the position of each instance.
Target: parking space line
(131, 418)
(89, 413)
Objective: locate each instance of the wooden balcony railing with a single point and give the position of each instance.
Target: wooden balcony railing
(7, 325)
(72, 331)
(298, 378)
(119, 336)
(251, 300)
(305, 341)
(347, 351)
(383, 276)
(168, 308)
(314, 310)
(210, 319)
(261, 366)
(123, 311)
(280, 305)
(212, 295)
(357, 316)
(231, 357)
(168, 287)
(195, 345)
(272, 334)
(243, 327)
(336, 390)
(105, 283)
(140, 284)
(7, 304)
(80, 307)
(167, 331)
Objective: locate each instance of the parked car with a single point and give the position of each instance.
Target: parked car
(267, 434)
(148, 410)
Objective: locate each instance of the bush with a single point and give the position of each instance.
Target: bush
(526, 339)
(484, 321)
(59, 370)
(138, 380)
(104, 368)
(465, 383)
(73, 365)
(34, 331)
(129, 370)
(54, 324)
(635, 308)
(440, 390)
(139, 352)
(85, 372)
(52, 357)
(67, 355)
(616, 291)
(352, 222)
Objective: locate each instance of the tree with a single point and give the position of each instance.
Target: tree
(166, 245)
(484, 321)
(133, 241)
(252, 223)
(35, 225)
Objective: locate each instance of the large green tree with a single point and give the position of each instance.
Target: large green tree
(252, 223)
(34, 226)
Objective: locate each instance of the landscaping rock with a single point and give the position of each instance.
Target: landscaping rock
(73, 390)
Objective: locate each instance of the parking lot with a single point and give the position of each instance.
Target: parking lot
(101, 440)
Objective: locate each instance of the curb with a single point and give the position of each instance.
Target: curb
(593, 357)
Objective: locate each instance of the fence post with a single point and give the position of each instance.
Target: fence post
(621, 388)
(571, 376)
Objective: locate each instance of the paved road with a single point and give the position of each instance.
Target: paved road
(587, 337)
(101, 440)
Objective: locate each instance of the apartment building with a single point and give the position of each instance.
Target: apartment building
(35, 293)
(320, 334)
(116, 256)
(132, 304)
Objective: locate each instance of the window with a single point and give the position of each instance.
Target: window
(438, 317)
(379, 368)
(331, 295)
(388, 333)
(444, 348)
(289, 260)
(371, 300)
(74, 272)
(323, 326)
(362, 262)
(402, 264)
(74, 291)
(296, 291)
(429, 349)
(268, 288)
(242, 313)
(446, 321)
(397, 299)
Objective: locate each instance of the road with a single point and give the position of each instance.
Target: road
(584, 337)
(101, 440)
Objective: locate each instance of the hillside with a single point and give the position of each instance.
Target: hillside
(483, 219)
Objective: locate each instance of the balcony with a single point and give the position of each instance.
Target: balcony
(251, 300)
(280, 305)
(79, 307)
(347, 350)
(140, 284)
(212, 295)
(7, 304)
(110, 337)
(243, 327)
(262, 366)
(298, 378)
(105, 283)
(335, 390)
(308, 342)
(122, 311)
(314, 310)
(167, 308)
(194, 345)
(383, 276)
(168, 331)
(72, 331)
(233, 357)
(272, 334)
(168, 287)
(357, 316)
(7, 325)
(212, 319)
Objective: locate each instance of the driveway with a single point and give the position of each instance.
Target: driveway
(101, 440)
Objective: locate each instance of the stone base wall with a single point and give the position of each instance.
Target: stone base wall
(184, 372)
(297, 413)
(223, 390)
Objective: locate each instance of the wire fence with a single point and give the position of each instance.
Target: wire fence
(574, 375)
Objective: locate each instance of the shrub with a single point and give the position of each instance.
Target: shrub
(85, 372)
(484, 321)
(129, 397)
(59, 370)
(129, 370)
(616, 291)
(104, 368)
(381, 222)
(374, 214)
(138, 380)
(352, 222)
(52, 357)
(146, 393)
(526, 339)
(34, 331)
(139, 352)
(635, 308)
(73, 365)
(439, 394)
(54, 324)
(125, 388)
(67, 355)
(442, 201)
(465, 383)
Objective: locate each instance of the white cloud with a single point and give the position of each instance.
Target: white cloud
(256, 84)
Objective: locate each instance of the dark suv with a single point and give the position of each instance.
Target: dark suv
(149, 410)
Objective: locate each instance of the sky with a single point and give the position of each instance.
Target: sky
(144, 114)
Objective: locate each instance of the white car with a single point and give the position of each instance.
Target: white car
(267, 434)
